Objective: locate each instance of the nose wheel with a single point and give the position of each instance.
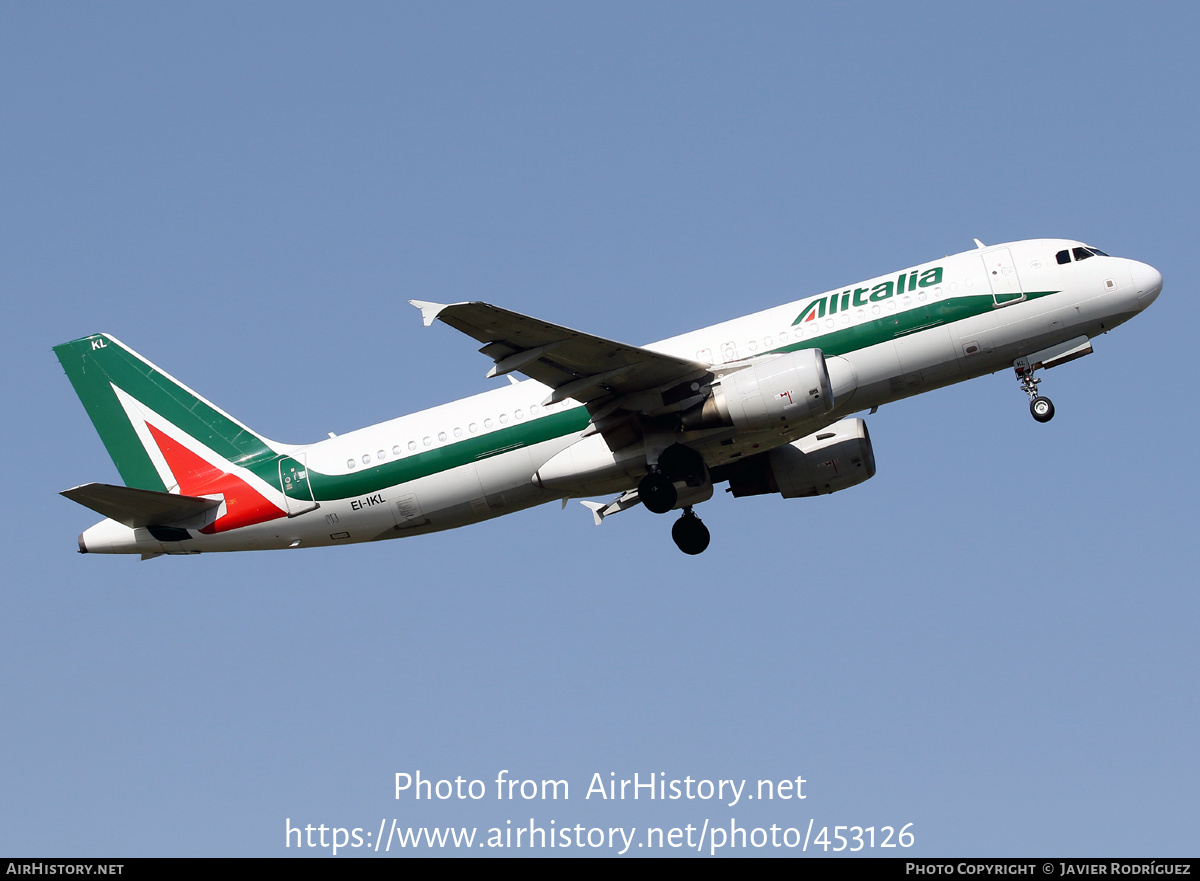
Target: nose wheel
(690, 534)
(1041, 408)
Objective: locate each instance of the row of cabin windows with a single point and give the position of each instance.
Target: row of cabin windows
(702, 355)
(472, 428)
(1064, 256)
(819, 326)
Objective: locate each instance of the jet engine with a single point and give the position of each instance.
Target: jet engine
(788, 389)
(832, 459)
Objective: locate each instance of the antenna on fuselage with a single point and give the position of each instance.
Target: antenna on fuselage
(980, 245)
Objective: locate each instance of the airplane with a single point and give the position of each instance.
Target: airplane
(764, 403)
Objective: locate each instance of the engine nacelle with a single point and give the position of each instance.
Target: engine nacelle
(832, 459)
(788, 389)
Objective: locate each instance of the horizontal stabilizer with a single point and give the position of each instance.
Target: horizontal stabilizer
(138, 507)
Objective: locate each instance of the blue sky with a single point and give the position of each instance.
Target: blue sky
(993, 639)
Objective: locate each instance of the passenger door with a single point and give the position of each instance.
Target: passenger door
(1002, 275)
(293, 480)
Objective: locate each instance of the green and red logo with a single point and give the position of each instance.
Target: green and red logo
(850, 298)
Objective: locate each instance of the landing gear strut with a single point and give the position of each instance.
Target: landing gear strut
(1041, 408)
(690, 534)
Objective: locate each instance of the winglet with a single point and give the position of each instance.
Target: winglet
(600, 510)
(429, 311)
(597, 509)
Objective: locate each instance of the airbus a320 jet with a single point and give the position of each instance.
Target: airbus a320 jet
(762, 403)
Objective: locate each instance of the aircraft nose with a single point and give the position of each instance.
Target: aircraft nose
(1147, 281)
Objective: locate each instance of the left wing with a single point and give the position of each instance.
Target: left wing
(605, 375)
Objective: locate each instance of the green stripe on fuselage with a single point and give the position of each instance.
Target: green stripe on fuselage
(890, 327)
(329, 487)
(94, 368)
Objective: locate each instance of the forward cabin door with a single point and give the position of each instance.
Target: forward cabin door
(1002, 275)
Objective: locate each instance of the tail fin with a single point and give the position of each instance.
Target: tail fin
(136, 407)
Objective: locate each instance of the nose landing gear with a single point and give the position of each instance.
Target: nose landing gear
(690, 534)
(1042, 409)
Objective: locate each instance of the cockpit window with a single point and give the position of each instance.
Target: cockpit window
(1080, 254)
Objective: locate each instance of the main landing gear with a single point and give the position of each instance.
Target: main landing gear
(677, 462)
(690, 534)
(1041, 408)
(657, 491)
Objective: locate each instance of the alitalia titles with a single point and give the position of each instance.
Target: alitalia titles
(836, 302)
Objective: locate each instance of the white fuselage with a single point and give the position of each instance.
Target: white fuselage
(1032, 302)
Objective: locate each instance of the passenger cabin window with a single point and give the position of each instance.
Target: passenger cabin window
(1063, 256)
